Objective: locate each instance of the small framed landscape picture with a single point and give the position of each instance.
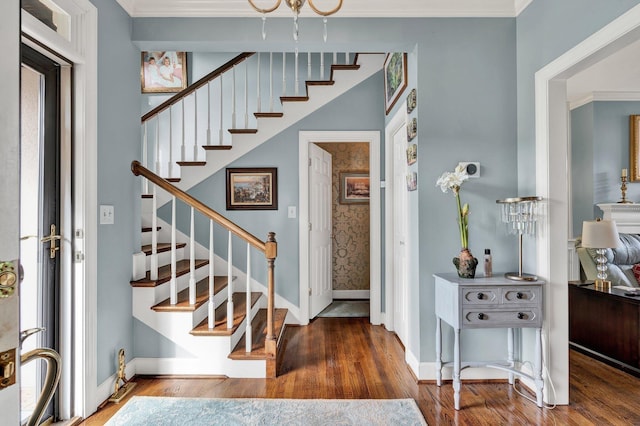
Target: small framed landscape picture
(354, 187)
(252, 188)
(163, 72)
(412, 154)
(412, 181)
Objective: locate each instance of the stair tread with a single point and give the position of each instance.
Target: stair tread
(268, 114)
(320, 83)
(192, 163)
(217, 147)
(161, 247)
(294, 98)
(174, 180)
(145, 196)
(243, 131)
(259, 334)
(164, 273)
(150, 228)
(202, 296)
(220, 325)
(345, 67)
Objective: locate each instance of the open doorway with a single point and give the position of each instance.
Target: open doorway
(371, 141)
(348, 206)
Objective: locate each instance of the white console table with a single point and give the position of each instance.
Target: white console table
(494, 302)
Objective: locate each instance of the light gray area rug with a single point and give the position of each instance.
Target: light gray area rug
(346, 309)
(149, 410)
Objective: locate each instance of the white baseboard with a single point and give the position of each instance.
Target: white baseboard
(106, 388)
(351, 294)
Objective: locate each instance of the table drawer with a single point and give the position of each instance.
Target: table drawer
(523, 295)
(494, 318)
(480, 296)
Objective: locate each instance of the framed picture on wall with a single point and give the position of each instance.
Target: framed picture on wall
(395, 78)
(634, 148)
(252, 188)
(163, 72)
(354, 187)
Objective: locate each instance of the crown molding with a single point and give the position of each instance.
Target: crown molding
(350, 9)
(605, 97)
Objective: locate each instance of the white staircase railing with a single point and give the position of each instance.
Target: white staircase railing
(179, 131)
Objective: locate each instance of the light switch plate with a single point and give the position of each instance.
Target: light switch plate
(292, 212)
(106, 215)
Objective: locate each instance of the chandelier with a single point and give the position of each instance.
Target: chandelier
(295, 6)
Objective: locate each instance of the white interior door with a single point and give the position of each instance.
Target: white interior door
(320, 230)
(400, 237)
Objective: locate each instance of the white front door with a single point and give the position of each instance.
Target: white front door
(9, 211)
(400, 317)
(320, 230)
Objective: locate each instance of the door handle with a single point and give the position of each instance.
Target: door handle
(52, 238)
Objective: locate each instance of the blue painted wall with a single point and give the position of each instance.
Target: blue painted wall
(118, 145)
(474, 79)
(599, 152)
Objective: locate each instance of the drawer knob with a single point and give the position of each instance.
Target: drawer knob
(481, 316)
(480, 296)
(521, 315)
(519, 295)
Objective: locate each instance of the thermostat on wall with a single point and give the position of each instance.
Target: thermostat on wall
(472, 168)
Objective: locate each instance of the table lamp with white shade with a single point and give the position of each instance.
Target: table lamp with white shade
(600, 235)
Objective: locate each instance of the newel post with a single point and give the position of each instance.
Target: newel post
(271, 252)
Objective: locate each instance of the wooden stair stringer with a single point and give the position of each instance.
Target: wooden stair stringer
(268, 127)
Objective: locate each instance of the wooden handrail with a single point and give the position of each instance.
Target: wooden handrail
(138, 169)
(195, 86)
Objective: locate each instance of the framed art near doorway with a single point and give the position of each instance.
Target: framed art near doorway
(354, 187)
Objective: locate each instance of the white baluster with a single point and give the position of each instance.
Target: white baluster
(284, 73)
(230, 283)
(192, 261)
(209, 113)
(259, 97)
(143, 152)
(233, 97)
(295, 73)
(153, 270)
(308, 65)
(246, 94)
(173, 285)
(157, 139)
(182, 126)
(247, 333)
(271, 82)
(321, 65)
(170, 142)
(212, 306)
(221, 135)
(195, 126)
(335, 58)
(346, 58)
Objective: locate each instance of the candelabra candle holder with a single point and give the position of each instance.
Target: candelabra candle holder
(623, 189)
(519, 215)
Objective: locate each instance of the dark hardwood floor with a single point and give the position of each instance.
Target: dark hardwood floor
(349, 358)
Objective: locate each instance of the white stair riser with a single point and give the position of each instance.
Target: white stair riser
(164, 258)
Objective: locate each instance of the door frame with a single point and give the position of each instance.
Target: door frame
(373, 139)
(552, 155)
(396, 123)
(81, 50)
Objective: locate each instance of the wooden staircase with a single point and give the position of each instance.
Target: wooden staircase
(228, 328)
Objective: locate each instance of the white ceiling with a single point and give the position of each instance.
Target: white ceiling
(350, 8)
(614, 78)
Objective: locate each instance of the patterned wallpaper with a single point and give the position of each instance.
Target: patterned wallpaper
(350, 221)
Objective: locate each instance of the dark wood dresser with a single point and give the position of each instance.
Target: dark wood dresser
(606, 325)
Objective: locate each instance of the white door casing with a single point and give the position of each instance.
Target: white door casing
(320, 230)
(373, 138)
(9, 188)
